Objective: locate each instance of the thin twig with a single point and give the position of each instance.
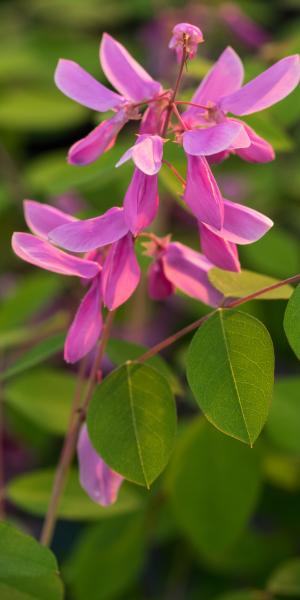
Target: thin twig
(69, 447)
(176, 88)
(182, 332)
(174, 170)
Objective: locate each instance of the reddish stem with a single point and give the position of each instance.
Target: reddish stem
(174, 170)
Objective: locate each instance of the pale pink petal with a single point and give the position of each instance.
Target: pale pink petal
(210, 140)
(259, 151)
(222, 253)
(159, 287)
(202, 194)
(101, 139)
(269, 87)
(146, 154)
(42, 254)
(225, 77)
(86, 326)
(121, 273)
(141, 201)
(242, 225)
(79, 85)
(187, 270)
(101, 483)
(83, 236)
(42, 218)
(124, 73)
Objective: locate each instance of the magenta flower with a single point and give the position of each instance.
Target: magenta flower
(242, 225)
(178, 266)
(101, 483)
(35, 249)
(211, 131)
(121, 272)
(133, 84)
(186, 35)
(112, 279)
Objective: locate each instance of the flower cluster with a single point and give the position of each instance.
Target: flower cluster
(209, 129)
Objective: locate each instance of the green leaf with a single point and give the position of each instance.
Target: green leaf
(286, 579)
(51, 174)
(32, 491)
(230, 369)
(36, 355)
(26, 334)
(132, 422)
(107, 559)
(270, 130)
(39, 110)
(119, 351)
(283, 424)
(244, 595)
(44, 396)
(291, 321)
(277, 242)
(214, 484)
(28, 571)
(33, 292)
(238, 285)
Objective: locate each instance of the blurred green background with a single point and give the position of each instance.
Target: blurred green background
(222, 517)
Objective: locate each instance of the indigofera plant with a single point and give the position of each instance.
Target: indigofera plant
(124, 427)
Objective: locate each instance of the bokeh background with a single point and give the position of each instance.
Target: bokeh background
(145, 548)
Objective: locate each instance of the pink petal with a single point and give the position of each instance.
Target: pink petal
(121, 273)
(159, 287)
(146, 154)
(242, 225)
(101, 139)
(86, 327)
(269, 87)
(202, 194)
(221, 252)
(225, 77)
(141, 201)
(79, 85)
(210, 140)
(187, 270)
(42, 218)
(101, 483)
(259, 151)
(42, 254)
(153, 116)
(124, 73)
(83, 236)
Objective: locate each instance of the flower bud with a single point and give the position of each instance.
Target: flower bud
(186, 36)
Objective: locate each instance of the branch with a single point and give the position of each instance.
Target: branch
(182, 332)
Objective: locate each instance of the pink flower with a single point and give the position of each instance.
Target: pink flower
(121, 272)
(188, 36)
(101, 483)
(86, 327)
(132, 83)
(178, 266)
(111, 279)
(212, 131)
(242, 225)
(141, 199)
